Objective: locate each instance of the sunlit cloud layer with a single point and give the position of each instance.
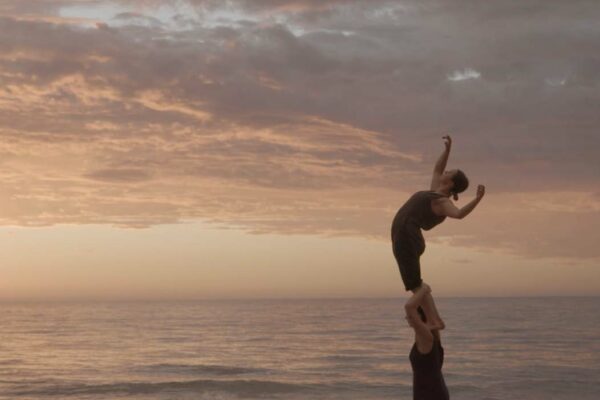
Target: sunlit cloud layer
(302, 116)
(467, 73)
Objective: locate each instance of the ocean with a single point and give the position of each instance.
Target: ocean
(496, 348)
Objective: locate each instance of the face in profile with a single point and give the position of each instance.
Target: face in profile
(448, 176)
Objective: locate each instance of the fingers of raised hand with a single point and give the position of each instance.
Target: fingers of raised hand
(447, 142)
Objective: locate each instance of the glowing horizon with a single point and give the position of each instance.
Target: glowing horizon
(292, 130)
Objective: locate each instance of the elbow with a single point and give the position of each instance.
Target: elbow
(459, 214)
(410, 311)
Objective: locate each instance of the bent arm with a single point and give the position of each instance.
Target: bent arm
(445, 207)
(423, 335)
(440, 165)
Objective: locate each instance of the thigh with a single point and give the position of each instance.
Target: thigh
(408, 259)
(409, 242)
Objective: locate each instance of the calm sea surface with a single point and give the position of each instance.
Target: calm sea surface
(511, 348)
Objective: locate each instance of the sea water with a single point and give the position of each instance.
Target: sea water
(496, 348)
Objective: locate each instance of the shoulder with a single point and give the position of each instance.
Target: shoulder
(440, 198)
(440, 204)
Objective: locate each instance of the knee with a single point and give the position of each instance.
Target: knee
(422, 286)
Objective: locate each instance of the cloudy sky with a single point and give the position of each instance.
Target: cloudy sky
(260, 148)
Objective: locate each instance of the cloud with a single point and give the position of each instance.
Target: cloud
(119, 175)
(466, 74)
(294, 116)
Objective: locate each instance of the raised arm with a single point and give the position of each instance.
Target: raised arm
(440, 165)
(423, 335)
(444, 206)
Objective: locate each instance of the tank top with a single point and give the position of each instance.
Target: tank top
(428, 381)
(417, 212)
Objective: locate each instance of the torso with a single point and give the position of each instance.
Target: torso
(436, 204)
(428, 381)
(418, 211)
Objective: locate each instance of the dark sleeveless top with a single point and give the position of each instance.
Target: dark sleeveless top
(417, 213)
(428, 381)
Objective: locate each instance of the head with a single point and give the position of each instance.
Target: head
(457, 180)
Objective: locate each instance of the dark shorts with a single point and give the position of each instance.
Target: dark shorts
(408, 245)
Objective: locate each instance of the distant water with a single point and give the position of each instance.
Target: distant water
(516, 348)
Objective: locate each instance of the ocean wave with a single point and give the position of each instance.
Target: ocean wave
(237, 387)
(384, 338)
(531, 389)
(466, 387)
(202, 387)
(348, 358)
(11, 361)
(197, 369)
(567, 384)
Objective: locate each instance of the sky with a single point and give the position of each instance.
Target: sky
(199, 149)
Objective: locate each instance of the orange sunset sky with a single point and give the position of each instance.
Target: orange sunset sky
(225, 149)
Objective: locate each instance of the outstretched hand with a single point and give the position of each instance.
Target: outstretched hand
(480, 191)
(447, 142)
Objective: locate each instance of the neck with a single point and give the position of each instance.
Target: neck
(444, 190)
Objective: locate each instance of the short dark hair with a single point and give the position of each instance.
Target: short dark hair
(461, 183)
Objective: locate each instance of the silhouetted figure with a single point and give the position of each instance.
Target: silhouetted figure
(424, 210)
(427, 354)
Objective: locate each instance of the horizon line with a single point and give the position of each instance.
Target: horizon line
(288, 298)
